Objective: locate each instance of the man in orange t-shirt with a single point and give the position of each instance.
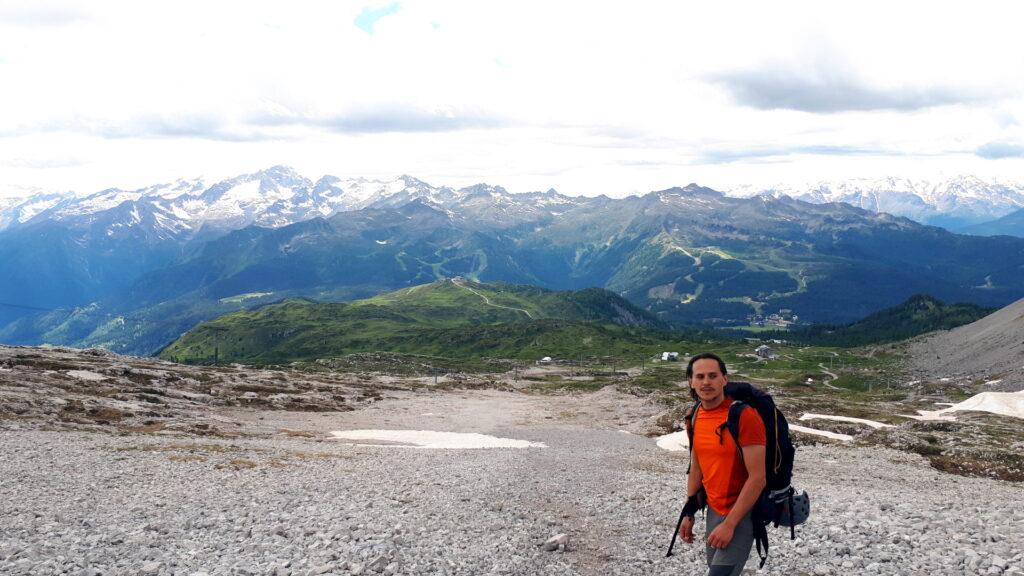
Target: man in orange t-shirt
(732, 484)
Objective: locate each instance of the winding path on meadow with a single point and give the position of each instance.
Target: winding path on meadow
(832, 375)
(458, 282)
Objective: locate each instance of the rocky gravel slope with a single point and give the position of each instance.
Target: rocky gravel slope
(269, 492)
(81, 503)
(989, 349)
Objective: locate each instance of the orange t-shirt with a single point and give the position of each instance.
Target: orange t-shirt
(723, 471)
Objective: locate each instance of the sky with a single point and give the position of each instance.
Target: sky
(587, 98)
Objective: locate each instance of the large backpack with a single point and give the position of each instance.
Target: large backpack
(779, 504)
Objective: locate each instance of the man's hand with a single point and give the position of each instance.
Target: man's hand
(686, 530)
(720, 536)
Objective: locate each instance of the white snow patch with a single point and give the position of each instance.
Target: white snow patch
(675, 441)
(926, 415)
(99, 202)
(192, 206)
(872, 423)
(1001, 403)
(86, 375)
(825, 433)
(394, 187)
(244, 192)
(28, 210)
(432, 439)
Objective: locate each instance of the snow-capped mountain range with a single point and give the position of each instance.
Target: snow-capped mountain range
(955, 203)
(271, 198)
(136, 268)
(280, 196)
(22, 205)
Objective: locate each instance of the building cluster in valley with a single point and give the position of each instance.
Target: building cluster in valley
(784, 318)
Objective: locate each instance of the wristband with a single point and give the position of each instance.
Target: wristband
(691, 506)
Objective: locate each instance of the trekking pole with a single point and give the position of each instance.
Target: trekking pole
(682, 514)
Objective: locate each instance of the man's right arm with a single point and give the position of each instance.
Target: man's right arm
(696, 478)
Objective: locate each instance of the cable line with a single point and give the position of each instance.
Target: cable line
(22, 306)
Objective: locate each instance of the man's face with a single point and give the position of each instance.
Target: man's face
(707, 380)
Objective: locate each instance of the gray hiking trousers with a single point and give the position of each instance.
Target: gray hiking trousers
(729, 561)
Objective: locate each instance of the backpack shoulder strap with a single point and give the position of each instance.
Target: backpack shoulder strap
(732, 423)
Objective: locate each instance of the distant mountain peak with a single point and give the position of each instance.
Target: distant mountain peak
(281, 171)
(484, 189)
(413, 182)
(691, 189)
(954, 203)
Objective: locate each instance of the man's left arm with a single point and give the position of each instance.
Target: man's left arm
(753, 458)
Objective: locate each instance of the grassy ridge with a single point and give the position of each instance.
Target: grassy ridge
(449, 319)
(920, 314)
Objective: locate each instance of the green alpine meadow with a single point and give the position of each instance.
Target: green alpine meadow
(454, 318)
(459, 319)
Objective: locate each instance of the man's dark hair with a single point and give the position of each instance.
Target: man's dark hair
(705, 356)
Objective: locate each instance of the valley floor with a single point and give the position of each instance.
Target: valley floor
(276, 495)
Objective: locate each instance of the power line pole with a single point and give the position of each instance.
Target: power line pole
(217, 330)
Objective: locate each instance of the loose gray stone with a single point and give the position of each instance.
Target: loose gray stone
(556, 542)
(378, 564)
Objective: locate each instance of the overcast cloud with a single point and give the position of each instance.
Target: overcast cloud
(737, 154)
(774, 90)
(386, 118)
(529, 95)
(997, 150)
(26, 13)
